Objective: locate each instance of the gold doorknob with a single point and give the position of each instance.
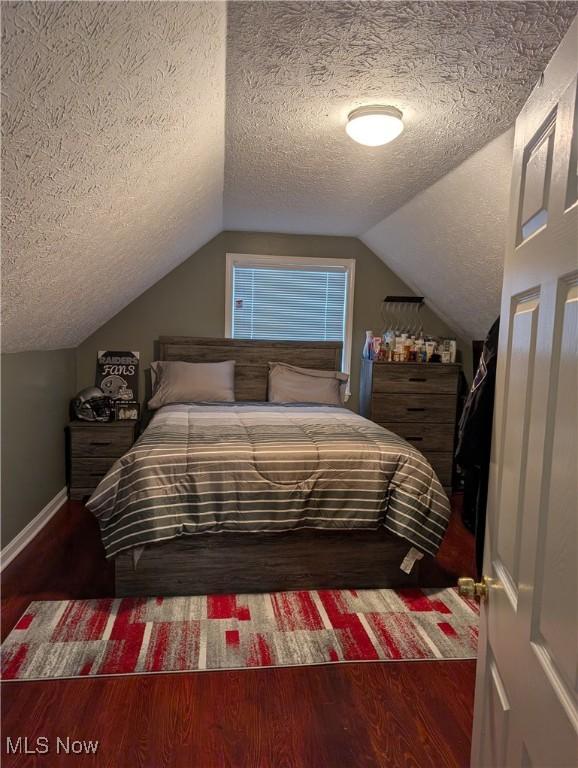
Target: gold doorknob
(474, 589)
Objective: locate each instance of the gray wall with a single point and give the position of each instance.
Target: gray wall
(36, 389)
(190, 300)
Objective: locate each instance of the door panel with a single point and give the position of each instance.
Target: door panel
(536, 175)
(572, 183)
(555, 603)
(520, 364)
(496, 712)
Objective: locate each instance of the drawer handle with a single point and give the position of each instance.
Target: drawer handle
(101, 442)
(415, 439)
(96, 474)
(415, 409)
(417, 378)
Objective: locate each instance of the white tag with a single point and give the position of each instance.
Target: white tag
(136, 555)
(409, 560)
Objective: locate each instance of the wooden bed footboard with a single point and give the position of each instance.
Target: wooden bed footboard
(265, 562)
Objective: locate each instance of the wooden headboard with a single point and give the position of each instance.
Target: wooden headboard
(252, 358)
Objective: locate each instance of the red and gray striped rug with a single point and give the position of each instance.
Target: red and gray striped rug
(78, 638)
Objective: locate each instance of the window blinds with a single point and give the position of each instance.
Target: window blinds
(302, 304)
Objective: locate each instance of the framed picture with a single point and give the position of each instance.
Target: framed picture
(126, 410)
(117, 374)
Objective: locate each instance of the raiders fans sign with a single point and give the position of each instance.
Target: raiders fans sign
(117, 374)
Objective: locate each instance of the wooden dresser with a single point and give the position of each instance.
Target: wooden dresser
(417, 401)
(93, 447)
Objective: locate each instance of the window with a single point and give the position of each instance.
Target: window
(301, 299)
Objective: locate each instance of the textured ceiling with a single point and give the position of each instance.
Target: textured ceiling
(113, 157)
(448, 242)
(459, 71)
(114, 132)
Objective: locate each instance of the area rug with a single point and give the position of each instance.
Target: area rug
(88, 638)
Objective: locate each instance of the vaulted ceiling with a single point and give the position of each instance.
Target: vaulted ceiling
(112, 157)
(459, 71)
(127, 144)
(447, 242)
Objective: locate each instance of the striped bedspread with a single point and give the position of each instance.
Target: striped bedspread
(259, 467)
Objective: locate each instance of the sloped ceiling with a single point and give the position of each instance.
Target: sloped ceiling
(114, 130)
(459, 71)
(113, 157)
(448, 242)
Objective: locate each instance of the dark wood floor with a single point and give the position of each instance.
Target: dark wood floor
(413, 714)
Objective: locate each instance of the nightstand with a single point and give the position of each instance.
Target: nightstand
(92, 449)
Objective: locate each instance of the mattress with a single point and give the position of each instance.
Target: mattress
(261, 467)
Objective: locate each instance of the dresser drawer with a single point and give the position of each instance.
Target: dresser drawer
(442, 464)
(395, 378)
(423, 408)
(87, 473)
(425, 437)
(100, 440)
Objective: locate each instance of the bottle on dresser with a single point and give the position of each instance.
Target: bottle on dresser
(368, 346)
(398, 347)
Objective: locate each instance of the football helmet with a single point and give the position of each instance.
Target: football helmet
(91, 404)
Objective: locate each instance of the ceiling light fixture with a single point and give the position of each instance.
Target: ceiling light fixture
(374, 126)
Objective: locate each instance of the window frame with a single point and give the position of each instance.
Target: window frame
(251, 260)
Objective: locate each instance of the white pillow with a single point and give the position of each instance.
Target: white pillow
(290, 384)
(180, 382)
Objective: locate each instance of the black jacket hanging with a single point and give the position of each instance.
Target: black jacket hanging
(475, 440)
(475, 427)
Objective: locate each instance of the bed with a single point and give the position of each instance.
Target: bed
(255, 496)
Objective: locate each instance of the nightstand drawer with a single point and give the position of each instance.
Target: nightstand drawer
(100, 440)
(437, 379)
(87, 473)
(92, 449)
(396, 408)
(425, 437)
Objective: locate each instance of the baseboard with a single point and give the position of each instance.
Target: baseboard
(22, 539)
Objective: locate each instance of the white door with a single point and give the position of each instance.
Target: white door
(526, 707)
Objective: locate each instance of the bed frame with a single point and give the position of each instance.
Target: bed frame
(262, 562)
